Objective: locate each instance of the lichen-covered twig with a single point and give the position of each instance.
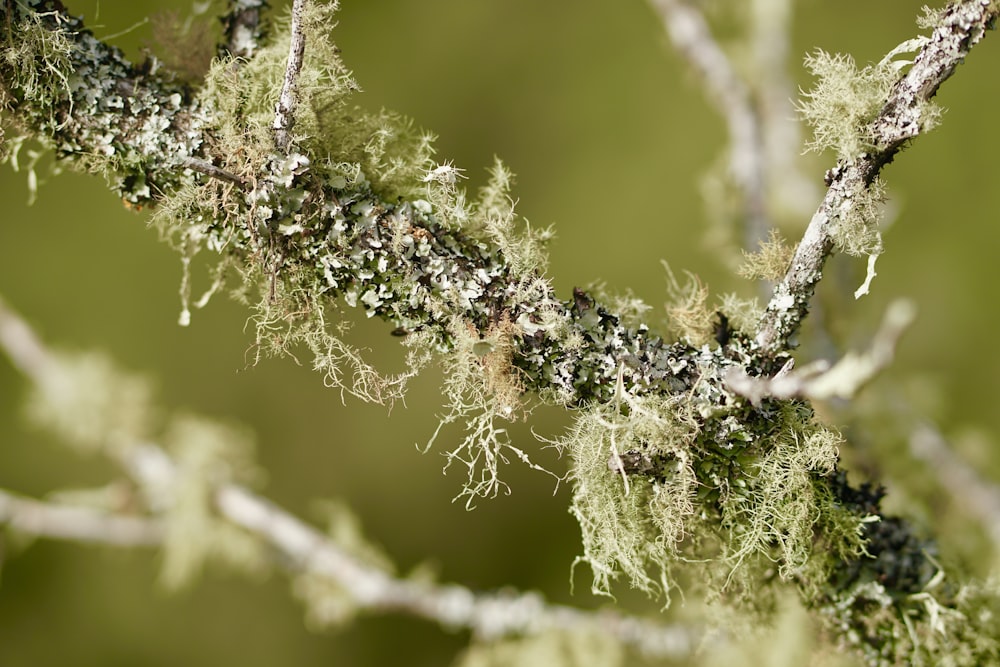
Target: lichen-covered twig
(965, 484)
(355, 212)
(300, 548)
(488, 615)
(961, 26)
(203, 167)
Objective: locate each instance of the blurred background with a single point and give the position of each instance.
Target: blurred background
(609, 137)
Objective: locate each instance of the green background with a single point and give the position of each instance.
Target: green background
(609, 136)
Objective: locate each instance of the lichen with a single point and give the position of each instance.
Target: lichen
(769, 262)
(843, 102)
(208, 455)
(327, 603)
(855, 222)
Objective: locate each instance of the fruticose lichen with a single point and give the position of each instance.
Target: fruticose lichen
(670, 468)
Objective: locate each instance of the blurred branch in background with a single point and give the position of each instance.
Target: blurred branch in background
(292, 545)
(733, 100)
(967, 486)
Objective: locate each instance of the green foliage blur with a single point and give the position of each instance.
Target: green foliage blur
(609, 137)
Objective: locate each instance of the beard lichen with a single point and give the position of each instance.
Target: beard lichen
(659, 486)
(483, 389)
(631, 524)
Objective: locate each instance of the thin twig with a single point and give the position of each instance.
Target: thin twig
(789, 187)
(963, 482)
(733, 100)
(284, 113)
(79, 524)
(962, 26)
(209, 169)
(22, 345)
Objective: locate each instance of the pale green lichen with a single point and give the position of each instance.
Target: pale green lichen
(935, 626)
(776, 511)
(91, 404)
(207, 455)
(328, 604)
(770, 261)
(855, 223)
(39, 60)
(632, 525)
(743, 313)
(483, 390)
(655, 488)
(843, 101)
(689, 317)
(521, 244)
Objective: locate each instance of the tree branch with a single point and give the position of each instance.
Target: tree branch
(963, 482)
(78, 524)
(242, 27)
(821, 381)
(962, 26)
(322, 224)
